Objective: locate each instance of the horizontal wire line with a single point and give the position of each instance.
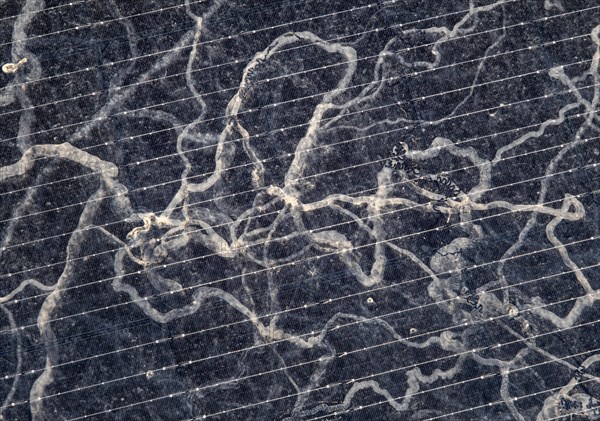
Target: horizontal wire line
(192, 390)
(552, 389)
(259, 243)
(403, 182)
(283, 156)
(252, 32)
(379, 214)
(423, 392)
(287, 264)
(95, 44)
(91, 25)
(390, 184)
(48, 9)
(342, 142)
(258, 135)
(343, 355)
(423, 124)
(412, 74)
(307, 177)
(236, 62)
(517, 398)
(283, 312)
(473, 379)
(337, 327)
(155, 35)
(227, 38)
(367, 292)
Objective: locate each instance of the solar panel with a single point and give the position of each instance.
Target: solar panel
(299, 210)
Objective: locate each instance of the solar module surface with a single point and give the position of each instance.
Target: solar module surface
(299, 210)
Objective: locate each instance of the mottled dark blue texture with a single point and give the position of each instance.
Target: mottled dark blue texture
(299, 210)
